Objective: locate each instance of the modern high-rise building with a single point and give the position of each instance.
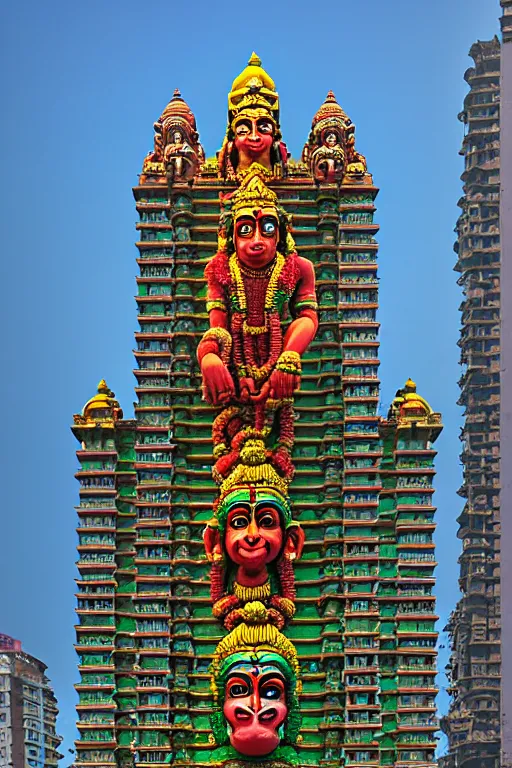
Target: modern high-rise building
(473, 722)
(364, 624)
(506, 376)
(28, 710)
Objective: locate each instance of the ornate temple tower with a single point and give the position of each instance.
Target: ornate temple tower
(256, 551)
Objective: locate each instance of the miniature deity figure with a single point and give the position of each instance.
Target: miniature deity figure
(179, 157)
(253, 134)
(330, 149)
(328, 160)
(253, 280)
(255, 683)
(252, 540)
(176, 145)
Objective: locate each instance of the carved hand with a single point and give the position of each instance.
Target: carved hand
(283, 385)
(247, 389)
(217, 382)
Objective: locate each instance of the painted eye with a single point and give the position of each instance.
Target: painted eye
(245, 230)
(268, 228)
(271, 692)
(267, 521)
(242, 130)
(265, 127)
(238, 689)
(239, 521)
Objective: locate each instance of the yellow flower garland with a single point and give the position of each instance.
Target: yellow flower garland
(249, 594)
(236, 276)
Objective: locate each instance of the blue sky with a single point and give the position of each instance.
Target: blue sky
(83, 83)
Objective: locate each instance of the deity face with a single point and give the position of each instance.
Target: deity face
(255, 237)
(253, 529)
(254, 538)
(331, 139)
(255, 707)
(177, 137)
(253, 139)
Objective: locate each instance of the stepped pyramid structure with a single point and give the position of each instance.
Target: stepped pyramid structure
(256, 561)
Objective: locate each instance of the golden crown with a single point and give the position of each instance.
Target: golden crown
(263, 475)
(253, 193)
(253, 88)
(247, 638)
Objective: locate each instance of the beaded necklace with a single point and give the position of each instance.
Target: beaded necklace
(244, 346)
(257, 274)
(236, 276)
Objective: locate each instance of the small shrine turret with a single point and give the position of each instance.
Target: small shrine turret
(95, 429)
(177, 153)
(411, 411)
(330, 152)
(101, 410)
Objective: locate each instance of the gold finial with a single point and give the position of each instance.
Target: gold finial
(176, 110)
(330, 111)
(408, 401)
(103, 389)
(255, 60)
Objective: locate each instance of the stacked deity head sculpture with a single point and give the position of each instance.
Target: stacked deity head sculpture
(252, 543)
(252, 540)
(253, 133)
(251, 367)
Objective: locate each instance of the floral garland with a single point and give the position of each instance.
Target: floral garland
(236, 276)
(286, 280)
(282, 281)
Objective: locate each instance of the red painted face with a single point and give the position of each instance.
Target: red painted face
(253, 139)
(255, 707)
(254, 538)
(256, 239)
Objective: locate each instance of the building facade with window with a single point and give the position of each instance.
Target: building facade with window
(28, 710)
(473, 722)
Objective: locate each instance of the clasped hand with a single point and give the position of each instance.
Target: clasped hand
(219, 388)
